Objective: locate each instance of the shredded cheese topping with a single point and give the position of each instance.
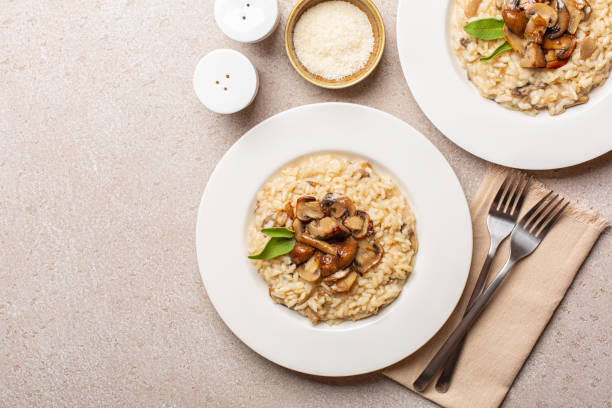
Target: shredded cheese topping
(333, 39)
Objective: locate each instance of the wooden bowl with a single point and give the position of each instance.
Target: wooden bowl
(378, 29)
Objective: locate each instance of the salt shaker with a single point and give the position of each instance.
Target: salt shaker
(225, 81)
(247, 21)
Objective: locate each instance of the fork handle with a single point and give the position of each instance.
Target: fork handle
(460, 332)
(449, 369)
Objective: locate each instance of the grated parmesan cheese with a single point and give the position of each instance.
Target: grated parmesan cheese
(333, 39)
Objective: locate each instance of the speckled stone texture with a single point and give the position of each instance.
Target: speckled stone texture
(104, 154)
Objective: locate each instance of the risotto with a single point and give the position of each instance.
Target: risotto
(343, 196)
(530, 90)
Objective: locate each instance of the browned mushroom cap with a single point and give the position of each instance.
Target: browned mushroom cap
(368, 255)
(300, 236)
(587, 10)
(534, 57)
(331, 279)
(542, 12)
(346, 252)
(328, 264)
(307, 208)
(345, 284)
(370, 228)
(327, 228)
(517, 43)
(358, 224)
(515, 19)
(563, 19)
(301, 253)
(552, 61)
(578, 11)
(310, 271)
(523, 4)
(354, 223)
(563, 46)
(541, 16)
(337, 205)
(317, 243)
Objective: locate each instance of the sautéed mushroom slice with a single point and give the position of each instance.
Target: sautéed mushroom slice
(334, 244)
(542, 31)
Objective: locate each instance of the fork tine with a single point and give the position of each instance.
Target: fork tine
(516, 190)
(526, 217)
(500, 192)
(546, 214)
(512, 186)
(542, 213)
(516, 206)
(551, 222)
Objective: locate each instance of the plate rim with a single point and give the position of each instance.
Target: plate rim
(443, 112)
(333, 105)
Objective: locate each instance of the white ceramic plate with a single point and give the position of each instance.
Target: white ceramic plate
(282, 335)
(479, 125)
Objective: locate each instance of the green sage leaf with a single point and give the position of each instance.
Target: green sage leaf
(275, 247)
(499, 50)
(278, 232)
(486, 28)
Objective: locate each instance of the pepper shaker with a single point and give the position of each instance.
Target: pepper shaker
(247, 21)
(225, 81)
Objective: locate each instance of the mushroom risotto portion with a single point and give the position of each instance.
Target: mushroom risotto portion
(333, 239)
(531, 55)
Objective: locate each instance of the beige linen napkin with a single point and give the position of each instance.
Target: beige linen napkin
(502, 338)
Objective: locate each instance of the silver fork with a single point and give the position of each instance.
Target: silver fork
(501, 219)
(525, 238)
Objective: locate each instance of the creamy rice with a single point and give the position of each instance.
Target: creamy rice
(554, 89)
(394, 227)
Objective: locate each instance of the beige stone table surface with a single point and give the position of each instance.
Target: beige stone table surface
(104, 154)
